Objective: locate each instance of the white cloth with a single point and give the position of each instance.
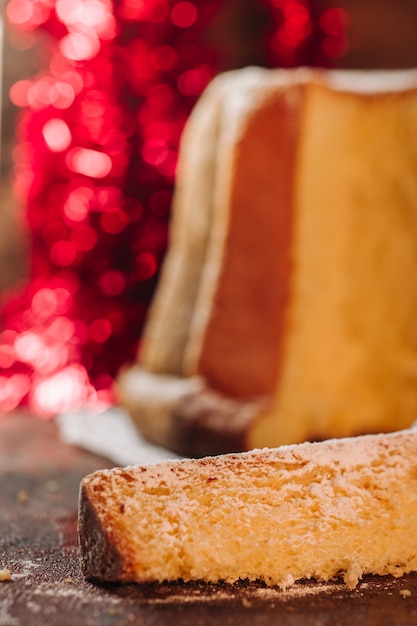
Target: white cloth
(111, 434)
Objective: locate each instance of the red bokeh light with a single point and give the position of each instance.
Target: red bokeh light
(84, 238)
(159, 97)
(7, 350)
(131, 9)
(44, 303)
(156, 10)
(334, 21)
(13, 390)
(57, 135)
(100, 330)
(163, 58)
(19, 93)
(192, 82)
(146, 266)
(154, 151)
(114, 221)
(89, 162)
(77, 205)
(80, 46)
(63, 253)
(29, 14)
(184, 14)
(112, 282)
(87, 15)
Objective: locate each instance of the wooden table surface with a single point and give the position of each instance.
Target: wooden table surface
(39, 480)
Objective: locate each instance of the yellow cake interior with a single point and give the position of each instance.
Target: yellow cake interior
(351, 348)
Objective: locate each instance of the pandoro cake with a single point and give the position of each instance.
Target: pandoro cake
(287, 306)
(340, 508)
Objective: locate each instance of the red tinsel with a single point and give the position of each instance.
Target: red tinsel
(95, 162)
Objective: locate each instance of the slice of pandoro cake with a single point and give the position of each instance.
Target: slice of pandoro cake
(337, 508)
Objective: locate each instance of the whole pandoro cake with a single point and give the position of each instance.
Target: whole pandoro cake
(287, 306)
(333, 509)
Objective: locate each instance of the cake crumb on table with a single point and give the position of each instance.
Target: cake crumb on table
(5, 575)
(405, 593)
(22, 496)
